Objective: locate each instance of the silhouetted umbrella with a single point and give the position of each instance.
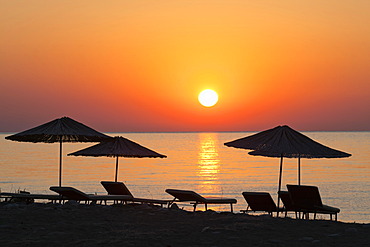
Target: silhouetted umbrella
(283, 141)
(118, 147)
(59, 130)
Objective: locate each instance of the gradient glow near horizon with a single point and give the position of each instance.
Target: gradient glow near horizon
(139, 65)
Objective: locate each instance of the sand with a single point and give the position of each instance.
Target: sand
(141, 225)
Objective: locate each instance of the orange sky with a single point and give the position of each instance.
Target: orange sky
(139, 65)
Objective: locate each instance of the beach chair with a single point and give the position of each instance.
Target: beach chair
(70, 193)
(260, 202)
(307, 199)
(195, 199)
(119, 188)
(28, 197)
(287, 202)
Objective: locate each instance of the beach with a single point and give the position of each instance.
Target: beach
(184, 104)
(71, 224)
(199, 162)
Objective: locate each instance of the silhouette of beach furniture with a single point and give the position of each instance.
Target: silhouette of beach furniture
(287, 203)
(285, 142)
(263, 202)
(119, 188)
(260, 202)
(27, 197)
(60, 130)
(195, 199)
(118, 146)
(307, 199)
(70, 193)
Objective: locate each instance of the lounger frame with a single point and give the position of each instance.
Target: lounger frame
(259, 202)
(287, 203)
(263, 202)
(119, 188)
(28, 197)
(307, 199)
(70, 193)
(196, 199)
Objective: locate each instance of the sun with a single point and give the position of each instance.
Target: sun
(208, 98)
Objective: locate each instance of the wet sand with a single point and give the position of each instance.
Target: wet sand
(141, 225)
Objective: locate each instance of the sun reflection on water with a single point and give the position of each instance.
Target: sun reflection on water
(208, 163)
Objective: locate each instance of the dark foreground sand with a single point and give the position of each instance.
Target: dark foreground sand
(141, 225)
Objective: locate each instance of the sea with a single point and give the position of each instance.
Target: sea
(199, 162)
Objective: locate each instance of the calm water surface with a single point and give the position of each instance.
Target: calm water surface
(199, 162)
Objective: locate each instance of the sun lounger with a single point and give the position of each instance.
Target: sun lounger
(116, 188)
(307, 199)
(70, 193)
(287, 201)
(119, 188)
(260, 202)
(28, 197)
(195, 198)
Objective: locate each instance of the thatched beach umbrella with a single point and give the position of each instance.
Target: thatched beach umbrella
(59, 130)
(118, 147)
(283, 141)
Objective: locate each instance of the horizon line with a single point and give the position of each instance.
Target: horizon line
(220, 131)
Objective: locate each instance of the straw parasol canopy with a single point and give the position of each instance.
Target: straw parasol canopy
(118, 147)
(283, 141)
(59, 130)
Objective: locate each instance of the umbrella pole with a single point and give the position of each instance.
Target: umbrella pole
(60, 163)
(281, 172)
(299, 170)
(115, 180)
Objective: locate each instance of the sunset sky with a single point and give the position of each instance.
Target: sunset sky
(121, 66)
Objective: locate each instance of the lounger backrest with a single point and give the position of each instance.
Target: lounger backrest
(70, 193)
(287, 201)
(185, 195)
(304, 196)
(260, 201)
(116, 188)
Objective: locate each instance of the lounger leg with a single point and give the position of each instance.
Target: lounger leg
(205, 205)
(195, 206)
(231, 205)
(314, 216)
(171, 202)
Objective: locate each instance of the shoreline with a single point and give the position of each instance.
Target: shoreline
(142, 225)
